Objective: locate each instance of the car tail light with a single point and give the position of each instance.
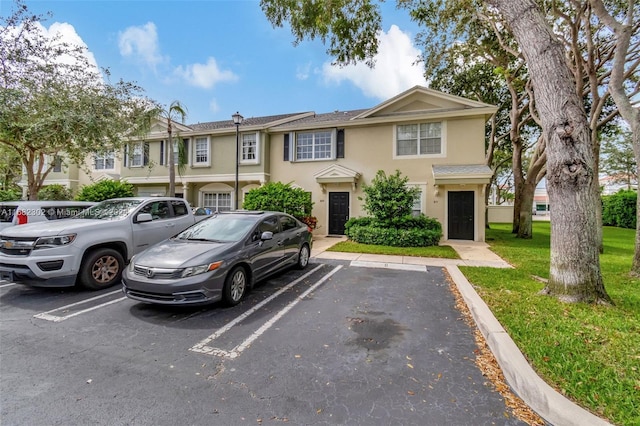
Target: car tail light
(22, 217)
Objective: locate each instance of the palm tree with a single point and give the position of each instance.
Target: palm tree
(176, 110)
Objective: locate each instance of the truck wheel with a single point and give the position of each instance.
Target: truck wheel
(101, 268)
(235, 286)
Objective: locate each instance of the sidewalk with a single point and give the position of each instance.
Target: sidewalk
(471, 253)
(535, 392)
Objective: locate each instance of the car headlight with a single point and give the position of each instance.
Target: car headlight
(56, 241)
(200, 269)
(132, 264)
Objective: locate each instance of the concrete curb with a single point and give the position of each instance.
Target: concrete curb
(535, 392)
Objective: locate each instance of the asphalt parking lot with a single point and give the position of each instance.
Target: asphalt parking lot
(333, 344)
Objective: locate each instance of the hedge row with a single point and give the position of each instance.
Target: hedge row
(410, 231)
(619, 209)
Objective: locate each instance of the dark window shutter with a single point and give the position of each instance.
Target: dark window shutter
(145, 158)
(286, 147)
(161, 153)
(185, 143)
(126, 155)
(340, 144)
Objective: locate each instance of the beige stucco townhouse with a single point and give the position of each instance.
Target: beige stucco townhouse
(434, 139)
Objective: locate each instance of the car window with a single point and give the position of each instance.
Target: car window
(219, 228)
(157, 209)
(269, 224)
(288, 223)
(179, 208)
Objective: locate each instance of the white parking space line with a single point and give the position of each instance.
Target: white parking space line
(7, 285)
(49, 317)
(203, 346)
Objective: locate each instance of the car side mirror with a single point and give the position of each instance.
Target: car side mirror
(144, 217)
(266, 235)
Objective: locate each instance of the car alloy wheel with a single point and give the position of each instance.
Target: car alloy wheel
(235, 286)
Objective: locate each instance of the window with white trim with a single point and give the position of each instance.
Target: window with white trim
(217, 201)
(249, 148)
(317, 145)
(417, 205)
(104, 161)
(201, 151)
(419, 139)
(137, 154)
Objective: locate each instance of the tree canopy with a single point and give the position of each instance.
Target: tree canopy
(55, 102)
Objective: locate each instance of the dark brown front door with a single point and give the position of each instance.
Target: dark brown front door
(461, 218)
(338, 212)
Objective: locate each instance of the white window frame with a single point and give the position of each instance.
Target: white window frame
(243, 152)
(419, 205)
(441, 154)
(103, 159)
(216, 200)
(137, 152)
(194, 149)
(416, 209)
(314, 133)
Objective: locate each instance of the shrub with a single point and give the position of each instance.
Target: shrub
(390, 202)
(280, 197)
(388, 197)
(411, 231)
(55, 192)
(619, 209)
(415, 237)
(9, 195)
(105, 190)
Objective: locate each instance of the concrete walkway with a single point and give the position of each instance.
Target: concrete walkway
(535, 392)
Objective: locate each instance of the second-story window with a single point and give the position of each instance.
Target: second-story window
(201, 151)
(249, 148)
(316, 145)
(419, 139)
(137, 154)
(104, 161)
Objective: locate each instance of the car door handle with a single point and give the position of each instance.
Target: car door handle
(170, 225)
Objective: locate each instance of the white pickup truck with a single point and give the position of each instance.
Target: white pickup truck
(92, 248)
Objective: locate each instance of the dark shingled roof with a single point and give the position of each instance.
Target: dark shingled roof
(250, 121)
(329, 117)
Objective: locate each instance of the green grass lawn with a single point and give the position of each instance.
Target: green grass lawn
(591, 354)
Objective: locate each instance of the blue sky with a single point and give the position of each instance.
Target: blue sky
(221, 56)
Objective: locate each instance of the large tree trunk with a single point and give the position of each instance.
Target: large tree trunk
(518, 185)
(574, 274)
(535, 173)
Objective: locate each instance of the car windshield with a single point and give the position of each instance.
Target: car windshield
(109, 210)
(219, 228)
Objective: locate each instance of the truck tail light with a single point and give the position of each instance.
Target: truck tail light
(22, 218)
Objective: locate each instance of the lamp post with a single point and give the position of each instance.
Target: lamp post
(237, 120)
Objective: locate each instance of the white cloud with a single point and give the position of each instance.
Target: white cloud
(395, 69)
(67, 34)
(141, 43)
(302, 71)
(204, 75)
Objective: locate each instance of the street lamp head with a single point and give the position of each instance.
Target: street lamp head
(237, 118)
